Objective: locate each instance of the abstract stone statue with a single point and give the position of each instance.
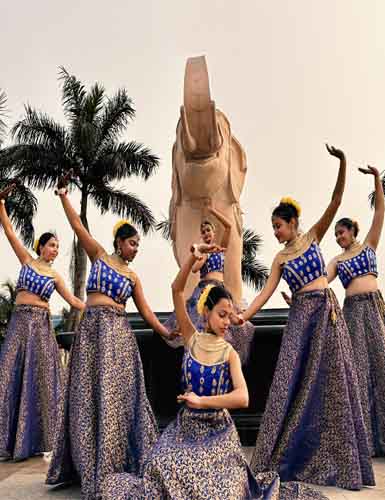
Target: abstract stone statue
(208, 163)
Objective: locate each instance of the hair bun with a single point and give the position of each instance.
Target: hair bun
(356, 226)
(290, 201)
(120, 224)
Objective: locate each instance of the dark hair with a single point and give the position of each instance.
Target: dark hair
(215, 295)
(285, 211)
(124, 232)
(44, 238)
(349, 224)
(207, 222)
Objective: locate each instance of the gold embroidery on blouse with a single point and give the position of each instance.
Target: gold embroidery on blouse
(354, 250)
(295, 248)
(42, 268)
(116, 263)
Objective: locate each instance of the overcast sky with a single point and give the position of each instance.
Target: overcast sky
(289, 74)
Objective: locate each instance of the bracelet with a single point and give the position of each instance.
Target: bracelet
(194, 250)
(61, 191)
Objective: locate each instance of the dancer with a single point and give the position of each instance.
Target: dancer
(312, 428)
(30, 371)
(106, 421)
(364, 312)
(211, 268)
(199, 456)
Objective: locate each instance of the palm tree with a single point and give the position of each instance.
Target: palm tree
(7, 305)
(254, 273)
(21, 205)
(45, 150)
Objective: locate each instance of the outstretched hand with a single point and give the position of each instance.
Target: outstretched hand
(237, 319)
(338, 153)
(65, 179)
(5, 192)
(370, 170)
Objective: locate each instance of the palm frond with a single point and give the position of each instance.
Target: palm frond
(73, 94)
(21, 207)
(125, 205)
(251, 242)
(164, 227)
(373, 194)
(115, 116)
(121, 161)
(254, 273)
(39, 129)
(38, 166)
(93, 103)
(3, 113)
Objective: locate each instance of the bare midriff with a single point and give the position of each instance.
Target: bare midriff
(362, 284)
(318, 284)
(99, 299)
(24, 298)
(214, 275)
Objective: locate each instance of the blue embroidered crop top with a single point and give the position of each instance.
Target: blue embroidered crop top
(105, 278)
(305, 268)
(30, 280)
(215, 262)
(205, 380)
(361, 264)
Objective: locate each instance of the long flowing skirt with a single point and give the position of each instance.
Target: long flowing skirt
(313, 428)
(240, 337)
(199, 457)
(365, 316)
(106, 423)
(30, 380)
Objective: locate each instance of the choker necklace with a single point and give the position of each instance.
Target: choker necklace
(120, 258)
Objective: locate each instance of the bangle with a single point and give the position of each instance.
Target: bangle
(194, 250)
(61, 191)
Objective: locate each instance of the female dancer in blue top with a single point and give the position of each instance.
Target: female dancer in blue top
(364, 312)
(211, 269)
(312, 428)
(199, 457)
(106, 422)
(30, 373)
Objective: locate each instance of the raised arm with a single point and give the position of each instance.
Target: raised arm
(186, 327)
(266, 293)
(67, 295)
(374, 234)
(147, 313)
(319, 229)
(198, 264)
(21, 252)
(90, 245)
(225, 223)
(237, 398)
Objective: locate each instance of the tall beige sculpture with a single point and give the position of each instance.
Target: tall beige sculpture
(208, 163)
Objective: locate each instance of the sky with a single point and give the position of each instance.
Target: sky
(289, 74)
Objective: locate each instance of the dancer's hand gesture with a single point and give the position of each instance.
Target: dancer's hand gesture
(5, 192)
(63, 182)
(338, 153)
(287, 298)
(237, 319)
(209, 248)
(191, 399)
(370, 170)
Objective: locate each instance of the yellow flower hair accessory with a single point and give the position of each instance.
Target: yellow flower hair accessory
(36, 245)
(119, 224)
(203, 298)
(294, 203)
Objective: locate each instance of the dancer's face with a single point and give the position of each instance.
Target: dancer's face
(50, 250)
(129, 247)
(344, 236)
(219, 317)
(284, 231)
(207, 234)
